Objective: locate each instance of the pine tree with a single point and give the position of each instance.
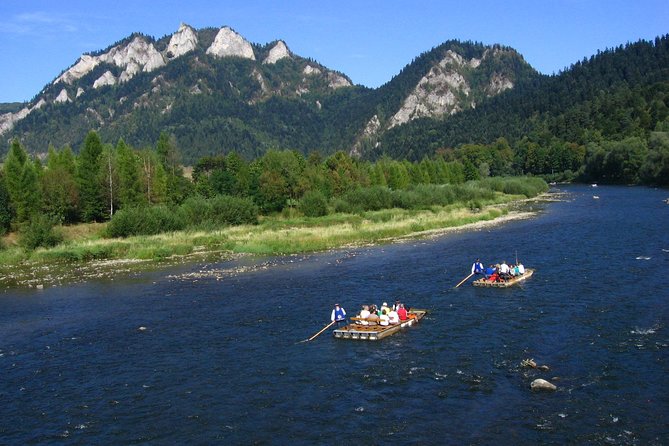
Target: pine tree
(22, 184)
(5, 206)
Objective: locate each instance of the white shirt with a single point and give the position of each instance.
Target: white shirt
(393, 317)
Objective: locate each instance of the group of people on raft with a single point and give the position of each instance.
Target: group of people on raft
(373, 315)
(499, 272)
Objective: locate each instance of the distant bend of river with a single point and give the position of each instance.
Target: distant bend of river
(209, 353)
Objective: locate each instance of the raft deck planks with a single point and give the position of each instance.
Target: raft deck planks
(375, 332)
(507, 283)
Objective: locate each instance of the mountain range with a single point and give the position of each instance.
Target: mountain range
(215, 92)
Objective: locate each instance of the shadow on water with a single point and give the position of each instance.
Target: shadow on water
(209, 353)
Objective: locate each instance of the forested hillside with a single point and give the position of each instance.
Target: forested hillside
(255, 99)
(605, 117)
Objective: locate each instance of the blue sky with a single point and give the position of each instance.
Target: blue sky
(368, 40)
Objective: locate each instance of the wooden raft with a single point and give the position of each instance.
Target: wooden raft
(375, 332)
(506, 283)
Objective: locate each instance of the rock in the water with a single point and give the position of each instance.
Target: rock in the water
(542, 384)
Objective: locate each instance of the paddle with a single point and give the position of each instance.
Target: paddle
(322, 330)
(463, 280)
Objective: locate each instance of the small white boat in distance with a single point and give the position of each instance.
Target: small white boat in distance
(596, 197)
(594, 184)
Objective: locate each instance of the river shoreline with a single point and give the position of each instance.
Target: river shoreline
(47, 274)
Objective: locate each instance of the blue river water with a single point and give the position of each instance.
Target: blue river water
(210, 353)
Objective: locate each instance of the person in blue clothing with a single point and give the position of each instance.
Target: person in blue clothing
(477, 267)
(489, 271)
(338, 315)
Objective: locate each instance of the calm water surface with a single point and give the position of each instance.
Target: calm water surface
(218, 361)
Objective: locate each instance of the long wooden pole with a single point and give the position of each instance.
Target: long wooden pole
(324, 328)
(463, 280)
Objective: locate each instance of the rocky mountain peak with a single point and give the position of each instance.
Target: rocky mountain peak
(229, 43)
(181, 42)
(278, 52)
(446, 88)
(82, 67)
(135, 56)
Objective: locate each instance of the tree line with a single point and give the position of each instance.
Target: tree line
(104, 180)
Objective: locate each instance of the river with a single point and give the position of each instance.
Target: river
(210, 353)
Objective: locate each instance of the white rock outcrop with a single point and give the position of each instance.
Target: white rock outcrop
(310, 71)
(62, 97)
(8, 120)
(278, 52)
(337, 81)
(373, 126)
(228, 43)
(80, 91)
(498, 84)
(261, 80)
(181, 42)
(84, 65)
(436, 93)
(138, 55)
(106, 79)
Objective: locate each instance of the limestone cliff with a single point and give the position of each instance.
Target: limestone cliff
(278, 52)
(183, 41)
(229, 43)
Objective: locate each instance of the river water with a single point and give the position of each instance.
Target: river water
(209, 354)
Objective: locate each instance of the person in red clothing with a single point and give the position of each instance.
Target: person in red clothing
(402, 313)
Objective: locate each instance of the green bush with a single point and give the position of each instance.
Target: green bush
(313, 204)
(369, 199)
(144, 221)
(195, 211)
(528, 186)
(341, 205)
(39, 233)
(229, 210)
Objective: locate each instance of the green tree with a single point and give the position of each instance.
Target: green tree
(22, 183)
(153, 177)
(92, 203)
(59, 186)
(168, 154)
(131, 191)
(655, 168)
(5, 206)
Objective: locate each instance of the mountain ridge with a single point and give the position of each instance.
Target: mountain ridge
(219, 73)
